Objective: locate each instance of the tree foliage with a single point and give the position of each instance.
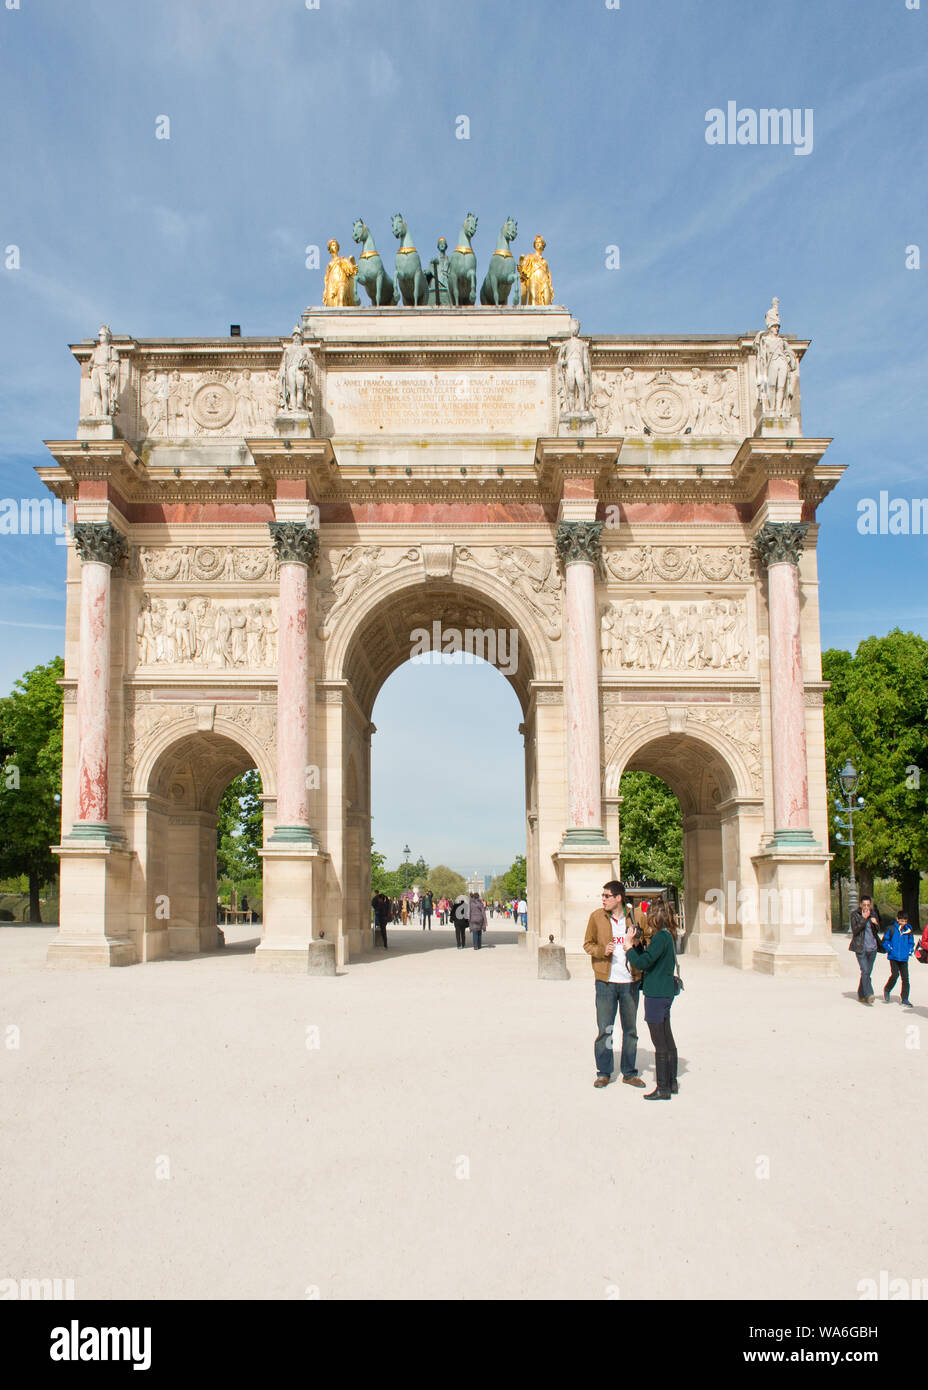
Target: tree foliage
(651, 839)
(876, 714)
(240, 828)
(30, 777)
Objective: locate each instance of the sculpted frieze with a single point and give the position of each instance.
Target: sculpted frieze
(200, 632)
(346, 573)
(672, 562)
(650, 635)
(204, 562)
(533, 574)
(701, 403)
(213, 404)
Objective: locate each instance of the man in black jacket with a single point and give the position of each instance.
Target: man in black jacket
(864, 942)
(381, 905)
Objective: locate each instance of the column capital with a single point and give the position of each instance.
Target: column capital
(779, 541)
(295, 542)
(100, 541)
(578, 542)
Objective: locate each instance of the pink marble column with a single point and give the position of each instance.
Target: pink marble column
(296, 545)
(100, 546)
(578, 546)
(779, 546)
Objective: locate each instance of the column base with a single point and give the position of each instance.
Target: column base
(794, 913)
(65, 954)
(582, 869)
(791, 839)
(592, 835)
(294, 835)
(93, 905)
(294, 879)
(815, 963)
(94, 833)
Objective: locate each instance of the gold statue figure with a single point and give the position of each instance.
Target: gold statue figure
(535, 277)
(338, 292)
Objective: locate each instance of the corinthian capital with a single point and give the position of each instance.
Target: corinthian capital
(779, 541)
(100, 541)
(295, 542)
(578, 542)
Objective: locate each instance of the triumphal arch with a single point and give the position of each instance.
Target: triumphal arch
(263, 528)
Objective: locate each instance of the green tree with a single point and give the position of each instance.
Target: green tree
(379, 873)
(651, 840)
(876, 713)
(30, 778)
(514, 879)
(240, 828)
(445, 883)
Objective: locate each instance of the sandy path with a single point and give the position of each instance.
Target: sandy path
(444, 1138)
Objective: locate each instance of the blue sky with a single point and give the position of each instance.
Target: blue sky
(587, 124)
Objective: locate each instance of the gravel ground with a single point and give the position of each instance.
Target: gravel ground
(426, 1126)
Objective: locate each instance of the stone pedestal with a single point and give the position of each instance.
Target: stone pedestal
(295, 424)
(580, 426)
(96, 427)
(293, 881)
(92, 908)
(794, 914)
(552, 962)
(582, 870)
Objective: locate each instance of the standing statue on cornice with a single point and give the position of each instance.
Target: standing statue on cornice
(535, 276)
(338, 291)
(439, 288)
(292, 377)
(777, 367)
(104, 377)
(574, 375)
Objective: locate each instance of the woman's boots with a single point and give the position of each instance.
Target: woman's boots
(665, 1077)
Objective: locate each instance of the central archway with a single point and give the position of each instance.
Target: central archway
(393, 622)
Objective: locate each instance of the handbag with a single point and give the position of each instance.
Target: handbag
(921, 954)
(677, 978)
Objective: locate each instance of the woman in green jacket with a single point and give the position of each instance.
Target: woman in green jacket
(656, 958)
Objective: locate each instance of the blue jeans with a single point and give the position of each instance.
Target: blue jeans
(610, 997)
(865, 960)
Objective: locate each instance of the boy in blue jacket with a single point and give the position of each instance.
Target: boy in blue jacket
(898, 943)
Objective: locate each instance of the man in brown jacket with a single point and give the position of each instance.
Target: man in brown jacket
(616, 985)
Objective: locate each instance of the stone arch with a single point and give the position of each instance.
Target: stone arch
(722, 813)
(181, 777)
(371, 640)
(153, 750)
(407, 591)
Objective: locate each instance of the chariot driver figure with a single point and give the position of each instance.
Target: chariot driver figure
(338, 292)
(535, 277)
(777, 367)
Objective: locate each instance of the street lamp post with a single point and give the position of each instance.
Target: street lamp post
(406, 852)
(849, 779)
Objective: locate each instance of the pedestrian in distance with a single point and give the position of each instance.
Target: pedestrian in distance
(381, 905)
(477, 918)
(459, 917)
(404, 911)
(652, 950)
(865, 942)
(616, 986)
(898, 942)
(427, 906)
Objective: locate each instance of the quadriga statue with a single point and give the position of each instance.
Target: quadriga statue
(501, 272)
